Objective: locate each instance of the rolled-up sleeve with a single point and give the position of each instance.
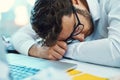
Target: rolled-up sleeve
(23, 39)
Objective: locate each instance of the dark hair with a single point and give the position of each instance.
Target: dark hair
(46, 18)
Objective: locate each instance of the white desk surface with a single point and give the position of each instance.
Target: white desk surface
(84, 67)
(98, 70)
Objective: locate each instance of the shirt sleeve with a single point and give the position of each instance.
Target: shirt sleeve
(103, 51)
(23, 39)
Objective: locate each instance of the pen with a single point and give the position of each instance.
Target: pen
(66, 57)
(5, 39)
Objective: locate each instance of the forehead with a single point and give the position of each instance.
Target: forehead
(68, 20)
(67, 26)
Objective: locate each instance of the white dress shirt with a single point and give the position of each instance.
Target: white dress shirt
(101, 47)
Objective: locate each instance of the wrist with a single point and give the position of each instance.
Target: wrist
(33, 51)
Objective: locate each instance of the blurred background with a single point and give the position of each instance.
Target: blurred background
(14, 14)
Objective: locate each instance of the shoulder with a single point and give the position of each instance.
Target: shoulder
(109, 5)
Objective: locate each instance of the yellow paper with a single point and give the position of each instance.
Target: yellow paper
(78, 75)
(73, 72)
(86, 76)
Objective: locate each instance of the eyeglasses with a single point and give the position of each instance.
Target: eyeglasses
(77, 28)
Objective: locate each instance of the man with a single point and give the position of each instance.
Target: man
(84, 30)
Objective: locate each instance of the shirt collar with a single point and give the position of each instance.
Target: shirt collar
(94, 9)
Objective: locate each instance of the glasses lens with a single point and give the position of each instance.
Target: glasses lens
(78, 30)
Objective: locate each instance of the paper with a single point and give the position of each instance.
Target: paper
(4, 71)
(78, 75)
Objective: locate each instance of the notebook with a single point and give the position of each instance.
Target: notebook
(22, 66)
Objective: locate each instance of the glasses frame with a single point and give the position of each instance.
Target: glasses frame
(69, 40)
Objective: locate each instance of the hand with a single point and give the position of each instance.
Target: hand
(55, 52)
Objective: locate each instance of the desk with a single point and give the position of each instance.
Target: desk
(98, 70)
(84, 67)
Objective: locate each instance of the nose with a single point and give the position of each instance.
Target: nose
(80, 37)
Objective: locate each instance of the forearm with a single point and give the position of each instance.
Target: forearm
(35, 51)
(104, 51)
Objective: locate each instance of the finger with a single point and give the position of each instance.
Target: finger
(62, 44)
(46, 53)
(59, 50)
(56, 55)
(51, 57)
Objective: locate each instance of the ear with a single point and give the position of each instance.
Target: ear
(79, 4)
(76, 2)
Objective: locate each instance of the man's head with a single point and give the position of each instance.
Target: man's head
(55, 20)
